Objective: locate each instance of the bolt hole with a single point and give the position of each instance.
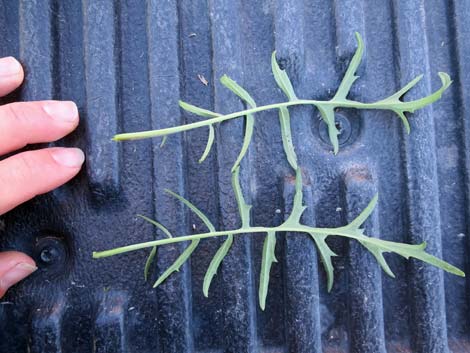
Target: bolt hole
(343, 126)
(48, 255)
(338, 126)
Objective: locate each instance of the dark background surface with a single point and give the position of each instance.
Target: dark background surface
(126, 64)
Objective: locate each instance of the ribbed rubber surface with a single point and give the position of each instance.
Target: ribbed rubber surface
(126, 64)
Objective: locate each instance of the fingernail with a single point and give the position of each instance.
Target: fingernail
(69, 157)
(9, 66)
(63, 111)
(16, 274)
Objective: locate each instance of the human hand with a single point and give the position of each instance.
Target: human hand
(27, 174)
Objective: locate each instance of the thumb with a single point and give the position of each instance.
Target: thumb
(14, 266)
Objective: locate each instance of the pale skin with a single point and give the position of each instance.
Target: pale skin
(28, 174)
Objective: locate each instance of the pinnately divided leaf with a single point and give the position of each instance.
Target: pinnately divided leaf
(250, 119)
(267, 260)
(292, 225)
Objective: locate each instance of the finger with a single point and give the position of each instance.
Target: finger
(27, 174)
(34, 122)
(14, 266)
(11, 75)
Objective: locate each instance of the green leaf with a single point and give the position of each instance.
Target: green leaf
(210, 141)
(238, 90)
(153, 252)
(282, 79)
(215, 263)
(407, 251)
(396, 96)
(178, 262)
(417, 252)
(250, 120)
(394, 103)
(219, 256)
(156, 224)
(204, 113)
(350, 76)
(404, 120)
(149, 261)
(357, 222)
(198, 111)
(399, 107)
(266, 262)
(297, 208)
(243, 207)
(375, 246)
(193, 208)
(284, 119)
(163, 141)
(326, 254)
(378, 254)
(194, 243)
(328, 115)
(411, 106)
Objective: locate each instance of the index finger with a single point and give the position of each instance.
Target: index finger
(11, 75)
(35, 122)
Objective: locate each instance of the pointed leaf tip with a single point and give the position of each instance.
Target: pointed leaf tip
(175, 267)
(149, 261)
(350, 75)
(249, 120)
(215, 264)
(210, 142)
(194, 209)
(238, 90)
(268, 259)
(445, 79)
(359, 220)
(196, 110)
(156, 224)
(286, 134)
(326, 255)
(359, 40)
(282, 79)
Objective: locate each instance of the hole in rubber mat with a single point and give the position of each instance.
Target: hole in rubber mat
(348, 129)
(52, 254)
